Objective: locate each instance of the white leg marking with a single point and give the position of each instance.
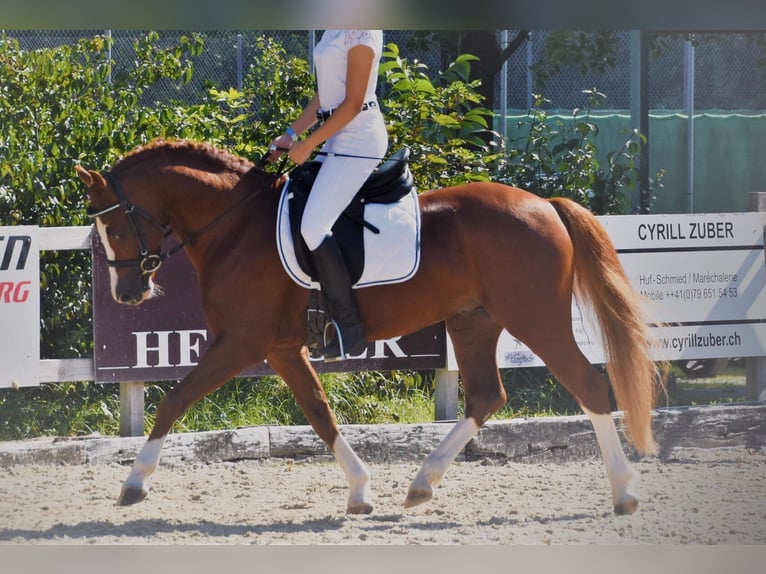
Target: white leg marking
(357, 475)
(617, 467)
(143, 466)
(436, 464)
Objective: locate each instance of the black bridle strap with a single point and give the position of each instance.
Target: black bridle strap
(129, 207)
(147, 262)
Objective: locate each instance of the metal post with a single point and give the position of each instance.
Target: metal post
(108, 34)
(312, 43)
(530, 61)
(240, 74)
(755, 367)
(504, 89)
(132, 409)
(639, 108)
(689, 104)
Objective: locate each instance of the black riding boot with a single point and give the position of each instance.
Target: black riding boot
(334, 278)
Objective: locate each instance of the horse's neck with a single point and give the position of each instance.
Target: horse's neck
(192, 199)
(205, 205)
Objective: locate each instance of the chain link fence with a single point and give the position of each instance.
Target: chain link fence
(727, 72)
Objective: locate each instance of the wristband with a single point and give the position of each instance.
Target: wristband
(291, 132)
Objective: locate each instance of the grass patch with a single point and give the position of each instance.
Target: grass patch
(60, 409)
(726, 387)
(534, 392)
(76, 409)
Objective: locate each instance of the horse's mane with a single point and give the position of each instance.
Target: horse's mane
(213, 158)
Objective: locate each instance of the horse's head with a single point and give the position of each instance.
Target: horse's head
(131, 236)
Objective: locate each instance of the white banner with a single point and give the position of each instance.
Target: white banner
(19, 306)
(703, 275)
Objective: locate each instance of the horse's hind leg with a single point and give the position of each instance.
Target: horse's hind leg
(474, 337)
(217, 366)
(294, 368)
(563, 357)
(617, 467)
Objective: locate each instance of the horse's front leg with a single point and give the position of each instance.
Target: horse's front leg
(293, 366)
(474, 337)
(218, 365)
(436, 463)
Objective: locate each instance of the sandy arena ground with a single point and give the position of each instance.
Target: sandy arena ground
(715, 496)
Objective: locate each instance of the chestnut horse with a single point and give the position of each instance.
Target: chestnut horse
(493, 257)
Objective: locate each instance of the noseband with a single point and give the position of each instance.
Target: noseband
(147, 262)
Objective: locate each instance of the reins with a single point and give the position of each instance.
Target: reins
(328, 154)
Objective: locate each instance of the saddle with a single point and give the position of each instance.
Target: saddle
(388, 184)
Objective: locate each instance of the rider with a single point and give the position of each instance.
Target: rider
(351, 124)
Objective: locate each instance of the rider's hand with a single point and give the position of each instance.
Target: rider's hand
(278, 146)
(300, 152)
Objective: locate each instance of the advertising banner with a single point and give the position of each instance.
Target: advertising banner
(702, 276)
(19, 306)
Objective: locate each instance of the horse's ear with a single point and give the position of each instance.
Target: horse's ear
(87, 176)
(93, 179)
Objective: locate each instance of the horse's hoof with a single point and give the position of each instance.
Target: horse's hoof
(359, 508)
(130, 496)
(418, 495)
(627, 506)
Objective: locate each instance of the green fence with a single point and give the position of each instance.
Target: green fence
(729, 162)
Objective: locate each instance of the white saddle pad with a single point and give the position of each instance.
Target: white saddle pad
(391, 256)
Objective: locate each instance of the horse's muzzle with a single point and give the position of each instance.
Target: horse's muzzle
(130, 299)
(135, 290)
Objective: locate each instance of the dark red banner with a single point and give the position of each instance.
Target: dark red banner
(163, 338)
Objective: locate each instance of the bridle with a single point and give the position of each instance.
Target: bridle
(149, 262)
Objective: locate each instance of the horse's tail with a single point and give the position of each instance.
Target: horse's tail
(601, 280)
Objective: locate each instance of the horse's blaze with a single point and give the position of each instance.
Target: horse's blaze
(110, 254)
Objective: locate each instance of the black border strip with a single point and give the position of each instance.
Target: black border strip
(686, 15)
(693, 249)
(724, 322)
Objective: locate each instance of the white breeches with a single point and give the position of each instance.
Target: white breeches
(340, 178)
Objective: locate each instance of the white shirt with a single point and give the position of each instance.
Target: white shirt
(331, 60)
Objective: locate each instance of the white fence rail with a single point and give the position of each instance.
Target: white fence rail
(64, 370)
